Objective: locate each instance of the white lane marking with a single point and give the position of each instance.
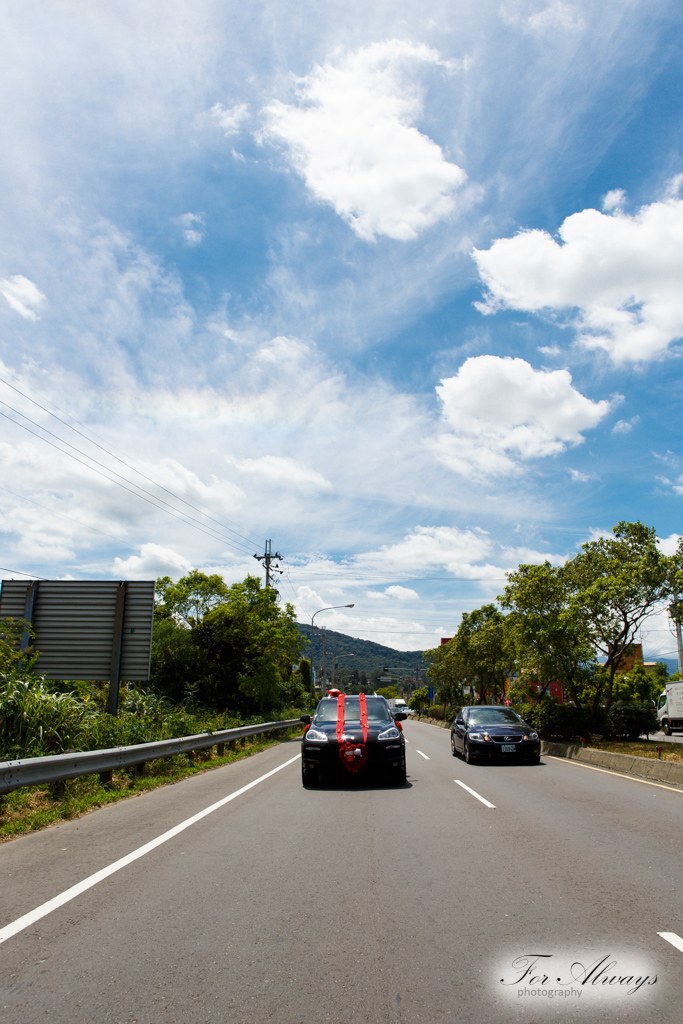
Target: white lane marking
(475, 794)
(619, 775)
(406, 739)
(69, 894)
(423, 755)
(674, 939)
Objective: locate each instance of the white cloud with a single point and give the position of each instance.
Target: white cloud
(427, 546)
(673, 187)
(620, 273)
(402, 593)
(550, 350)
(669, 545)
(501, 410)
(614, 200)
(579, 477)
(153, 560)
(397, 592)
(230, 119)
(22, 295)
(193, 228)
(625, 426)
(556, 16)
(353, 140)
(284, 471)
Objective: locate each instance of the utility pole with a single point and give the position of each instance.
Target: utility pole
(267, 557)
(675, 613)
(324, 681)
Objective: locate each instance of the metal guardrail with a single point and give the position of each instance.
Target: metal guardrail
(36, 771)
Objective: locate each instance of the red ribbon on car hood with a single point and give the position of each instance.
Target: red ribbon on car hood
(340, 719)
(363, 717)
(352, 755)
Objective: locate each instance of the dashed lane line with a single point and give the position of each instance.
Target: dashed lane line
(474, 793)
(69, 894)
(424, 755)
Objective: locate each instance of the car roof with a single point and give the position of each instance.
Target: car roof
(495, 707)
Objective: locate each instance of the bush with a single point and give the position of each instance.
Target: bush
(553, 720)
(629, 719)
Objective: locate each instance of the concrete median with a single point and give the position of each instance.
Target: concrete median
(651, 768)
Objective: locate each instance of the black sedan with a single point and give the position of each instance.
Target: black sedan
(493, 730)
(350, 735)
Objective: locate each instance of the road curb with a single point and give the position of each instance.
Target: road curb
(435, 721)
(642, 767)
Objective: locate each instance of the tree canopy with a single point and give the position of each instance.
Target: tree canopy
(226, 646)
(573, 623)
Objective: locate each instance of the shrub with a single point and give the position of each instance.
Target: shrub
(553, 720)
(629, 719)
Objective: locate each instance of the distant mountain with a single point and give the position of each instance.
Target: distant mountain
(363, 655)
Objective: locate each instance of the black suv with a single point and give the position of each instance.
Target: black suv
(351, 735)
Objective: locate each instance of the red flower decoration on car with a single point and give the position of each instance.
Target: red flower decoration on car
(353, 755)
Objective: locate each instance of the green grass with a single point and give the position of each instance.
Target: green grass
(35, 807)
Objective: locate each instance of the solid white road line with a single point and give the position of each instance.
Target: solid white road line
(674, 939)
(69, 894)
(424, 755)
(474, 794)
(619, 775)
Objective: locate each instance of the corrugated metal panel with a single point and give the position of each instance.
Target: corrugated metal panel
(13, 599)
(74, 626)
(136, 647)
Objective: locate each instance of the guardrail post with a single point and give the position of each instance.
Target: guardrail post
(220, 749)
(106, 779)
(140, 769)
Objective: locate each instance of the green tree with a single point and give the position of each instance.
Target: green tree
(482, 651)
(617, 582)
(192, 597)
(390, 692)
(447, 672)
(249, 644)
(548, 629)
(419, 699)
(639, 684)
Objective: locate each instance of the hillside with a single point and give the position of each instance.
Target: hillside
(363, 655)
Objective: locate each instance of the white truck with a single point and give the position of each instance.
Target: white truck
(397, 704)
(670, 708)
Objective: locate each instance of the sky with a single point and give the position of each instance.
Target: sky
(396, 286)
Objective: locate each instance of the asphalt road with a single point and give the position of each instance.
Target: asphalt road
(356, 903)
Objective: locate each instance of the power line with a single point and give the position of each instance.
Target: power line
(18, 572)
(176, 513)
(71, 519)
(113, 456)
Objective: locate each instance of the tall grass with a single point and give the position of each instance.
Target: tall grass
(37, 718)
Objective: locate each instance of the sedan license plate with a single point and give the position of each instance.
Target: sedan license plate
(508, 748)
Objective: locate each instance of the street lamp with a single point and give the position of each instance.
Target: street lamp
(327, 608)
(349, 654)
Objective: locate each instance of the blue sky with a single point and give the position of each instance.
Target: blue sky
(399, 288)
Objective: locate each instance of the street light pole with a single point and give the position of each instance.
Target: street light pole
(327, 608)
(349, 654)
